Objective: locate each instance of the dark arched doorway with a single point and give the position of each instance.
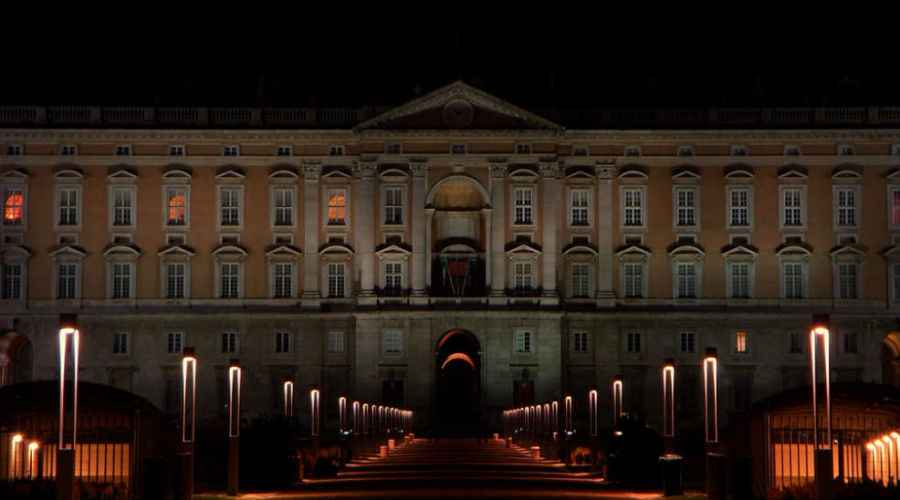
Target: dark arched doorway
(15, 358)
(458, 383)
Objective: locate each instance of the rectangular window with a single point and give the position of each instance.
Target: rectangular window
(523, 273)
(68, 150)
(175, 280)
(229, 199)
(795, 343)
(523, 149)
(123, 207)
(393, 206)
(458, 149)
(687, 280)
(176, 206)
(740, 280)
(687, 342)
(229, 280)
(393, 341)
(176, 150)
(282, 342)
(686, 207)
(335, 341)
(579, 208)
(229, 339)
(895, 208)
(634, 207)
(580, 280)
(523, 206)
(739, 210)
(846, 207)
(523, 341)
(335, 280)
(230, 151)
(123, 150)
(68, 207)
(336, 150)
(284, 207)
(120, 342)
(393, 148)
(284, 151)
(12, 281)
(634, 280)
(793, 280)
(173, 342)
(283, 275)
(66, 283)
(337, 204)
(13, 206)
(633, 342)
(580, 341)
(121, 280)
(850, 345)
(792, 207)
(847, 277)
(740, 342)
(393, 276)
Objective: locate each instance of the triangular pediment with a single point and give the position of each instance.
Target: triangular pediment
(458, 106)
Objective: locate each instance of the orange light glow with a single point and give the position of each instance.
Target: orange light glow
(64, 334)
(12, 213)
(458, 356)
(188, 395)
(177, 208)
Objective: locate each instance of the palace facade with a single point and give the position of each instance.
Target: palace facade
(454, 247)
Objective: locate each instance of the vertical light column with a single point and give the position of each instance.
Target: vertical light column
(65, 454)
(311, 175)
(617, 387)
(547, 428)
(605, 259)
(570, 417)
(711, 395)
(420, 268)
(288, 398)
(314, 412)
(668, 398)
(14, 453)
(355, 417)
(32, 460)
(554, 411)
(551, 211)
(365, 419)
(593, 423)
(822, 449)
(188, 394)
(364, 225)
(498, 230)
(234, 424)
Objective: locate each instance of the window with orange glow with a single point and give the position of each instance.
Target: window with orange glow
(740, 342)
(337, 204)
(13, 207)
(176, 207)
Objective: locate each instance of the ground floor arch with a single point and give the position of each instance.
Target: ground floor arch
(458, 379)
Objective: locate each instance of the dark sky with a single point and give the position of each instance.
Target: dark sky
(642, 55)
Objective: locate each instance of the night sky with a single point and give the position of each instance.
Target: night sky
(748, 54)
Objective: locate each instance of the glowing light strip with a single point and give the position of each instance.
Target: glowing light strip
(288, 390)
(813, 334)
(461, 356)
(570, 427)
(314, 397)
(13, 455)
(356, 417)
(365, 418)
(32, 459)
(234, 400)
(342, 413)
(63, 340)
(668, 381)
(547, 417)
(710, 371)
(188, 366)
(555, 414)
(617, 400)
(592, 410)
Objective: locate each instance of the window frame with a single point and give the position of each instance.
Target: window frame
(836, 207)
(802, 209)
(389, 348)
(170, 341)
(587, 208)
(238, 189)
(687, 342)
(695, 208)
(523, 341)
(530, 208)
(232, 339)
(583, 346)
(633, 343)
(14, 181)
(176, 180)
(891, 189)
(335, 342)
(329, 265)
(14, 256)
(402, 207)
(344, 223)
(283, 340)
(587, 279)
(740, 346)
(730, 207)
(121, 343)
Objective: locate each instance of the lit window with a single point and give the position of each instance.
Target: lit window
(393, 277)
(687, 280)
(846, 207)
(335, 280)
(283, 275)
(633, 342)
(176, 206)
(580, 341)
(793, 209)
(337, 204)
(393, 341)
(336, 150)
(229, 198)
(229, 341)
(523, 274)
(580, 279)
(335, 341)
(687, 342)
(793, 280)
(175, 280)
(121, 280)
(850, 344)
(68, 207)
(847, 280)
(173, 342)
(123, 207)
(739, 210)
(795, 343)
(284, 207)
(579, 208)
(523, 341)
(282, 342)
(66, 276)
(12, 281)
(523, 206)
(634, 207)
(120, 342)
(13, 206)
(393, 206)
(740, 280)
(686, 207)
(740, 342)
(229, 280)
(634, 280)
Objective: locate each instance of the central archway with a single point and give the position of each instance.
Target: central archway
(458, 383)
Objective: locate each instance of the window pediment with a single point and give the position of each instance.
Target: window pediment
(230, 173)
(685, 174)
(129, 251)
(579, 248)
(793, 172)
(891, 253)
(633, 173)
(229, 251)
(738, 173)
(393, 249)
(283, 174)
(579, 172)
(848, 251)
(176, 250)
(72, 251)
(290, 252)
(337, 173)
(121, 174)
(522, 173)
(69, 175)
(633, 252)
(16, 252)
(793, 249)
(16, 174)
(893, 175)
(523, 248)
(740, 252)
(686, 250)
(331, 248)
(177, 174)
(393, 173)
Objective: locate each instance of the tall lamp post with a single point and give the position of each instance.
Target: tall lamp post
(617, 400)
(65, 453)
(569, 421)
(715, 462)
(671, 463)
(288, 391)
(188, 416)
(234, 424)
(314, 417)
(824, 467)
(593, 424)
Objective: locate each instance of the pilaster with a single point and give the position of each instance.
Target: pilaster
(419, 269)
(311, 174)
(497, 235)
(606, 171)
(550, 222)
(365, 208)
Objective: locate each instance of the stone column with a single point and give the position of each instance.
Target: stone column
(488, 240)
(417, 211)
(311, 175)
(551, 218)
(497, 235)
(605, 259)
(429, 217)
(364, 228)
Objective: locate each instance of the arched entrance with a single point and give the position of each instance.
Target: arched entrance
(458, 383)
(890, 359)
(15, 358)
